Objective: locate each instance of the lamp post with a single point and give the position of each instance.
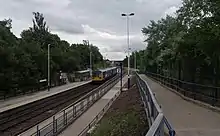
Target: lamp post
(106, 60)
(127, 16)
(135, 60)
(48, 67)
(86, 42)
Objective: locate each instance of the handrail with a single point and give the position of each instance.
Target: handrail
(185, 82)
(61, 121)
(205, 93)
(100, 114)
(87, 95)
(154, 127)
(98, 117)
(152, 97)
(156, 118)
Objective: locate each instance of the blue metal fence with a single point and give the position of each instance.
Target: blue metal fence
(204, 93)
(156, 119)
(66, 117)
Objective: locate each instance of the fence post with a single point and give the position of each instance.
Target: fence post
(4, 94)
(73, 111)
(100, 93)
(152, 109)
(81, 105)
(38, 131)
(64, 118)
(162, 129)
(177, 85)
(54, 125)
(215, 98)
(88, 101)
(95, 95)
(193, 91)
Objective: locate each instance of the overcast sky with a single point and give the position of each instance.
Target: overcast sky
(98, 21)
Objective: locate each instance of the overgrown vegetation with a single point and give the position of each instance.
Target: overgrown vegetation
(120, 124)
(126, 117)
(23, 61)
(185, 46)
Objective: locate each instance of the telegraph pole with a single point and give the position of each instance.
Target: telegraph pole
(86, 42)
(48, 68)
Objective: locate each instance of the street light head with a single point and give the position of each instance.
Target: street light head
(132, 14)
(123, 15)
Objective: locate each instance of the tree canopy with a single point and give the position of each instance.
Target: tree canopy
(185, 46)
(24, 60)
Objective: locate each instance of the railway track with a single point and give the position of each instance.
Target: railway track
(17, 120)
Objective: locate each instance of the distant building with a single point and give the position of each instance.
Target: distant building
(117, 62)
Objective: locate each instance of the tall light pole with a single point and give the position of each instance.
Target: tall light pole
(90, 56)
(135, 60)
(48, 67)
(90, 59)
(106, 60)
(127, 16)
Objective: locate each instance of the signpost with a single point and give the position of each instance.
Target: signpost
(121, 75)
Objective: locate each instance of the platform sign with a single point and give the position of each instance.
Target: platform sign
(43, 80)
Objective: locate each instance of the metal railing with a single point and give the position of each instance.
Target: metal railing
(207, 94)
(63, 119)
(156, 119)
(85, 132)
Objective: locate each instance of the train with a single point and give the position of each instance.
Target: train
(102, 75)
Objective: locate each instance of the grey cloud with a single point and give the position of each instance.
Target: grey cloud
(137, 45)
(64, 25)
(108, 13)
(116, 56)
(66, 29)
(68, 17)
(22, 10)
(99, 14)
(108, 45)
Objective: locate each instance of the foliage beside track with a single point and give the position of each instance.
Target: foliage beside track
(184, 46)
(23, 61)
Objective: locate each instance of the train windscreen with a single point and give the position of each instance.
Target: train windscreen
(96, 73)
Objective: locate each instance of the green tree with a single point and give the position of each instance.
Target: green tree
(185, 46)
(24, 60)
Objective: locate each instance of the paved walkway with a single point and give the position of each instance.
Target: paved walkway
(188, 119)
(90, 114)
(21, 100)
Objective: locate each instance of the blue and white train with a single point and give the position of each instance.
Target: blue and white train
(103, 74)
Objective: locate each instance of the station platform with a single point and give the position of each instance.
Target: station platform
(79, 124)
(187, 118)
(25, 99)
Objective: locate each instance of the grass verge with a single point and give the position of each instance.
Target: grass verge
(125, 117)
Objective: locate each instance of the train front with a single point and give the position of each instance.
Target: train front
(97, 76)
